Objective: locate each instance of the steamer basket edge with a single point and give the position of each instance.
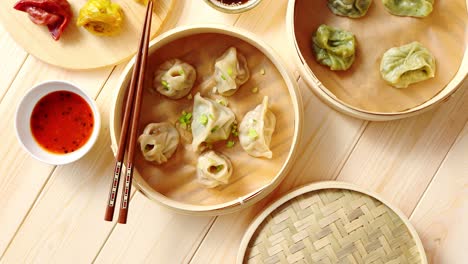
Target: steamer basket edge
(318, 186)
(241, 202)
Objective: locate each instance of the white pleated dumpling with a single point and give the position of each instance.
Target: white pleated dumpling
(174, 78)
(158, 142)
(256, 130)
(213, 169)
(231, 71)
(211, 122)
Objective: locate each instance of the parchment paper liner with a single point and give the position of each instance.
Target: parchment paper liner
(444, 33)
(176, 180)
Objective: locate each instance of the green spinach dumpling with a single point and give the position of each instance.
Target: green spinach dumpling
(334, 47)
(408, 64)
(413, 8)
(349, 8)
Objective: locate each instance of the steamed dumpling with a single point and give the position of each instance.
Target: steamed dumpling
(231, 71)
(256, 130)
(408, 64)
(413, 8)
(213, 169)
(211, 122)
(159, 142)
(100, 17)
(349, 8)
(334, 47)
(174, 78)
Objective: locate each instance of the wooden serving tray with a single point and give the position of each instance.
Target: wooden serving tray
(331, 222)
(78, 48)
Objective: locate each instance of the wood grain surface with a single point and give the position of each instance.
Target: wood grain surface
(54, 214)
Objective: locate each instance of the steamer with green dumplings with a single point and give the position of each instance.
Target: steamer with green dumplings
(363, 91)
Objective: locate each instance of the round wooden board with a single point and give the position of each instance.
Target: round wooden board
(331, 222)
(78, 48)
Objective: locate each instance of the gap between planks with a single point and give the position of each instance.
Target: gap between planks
(197, 247)
(14, 78)
(114, 224)
(456, 138)
(421, 198)
(36, 199)
(362, 129)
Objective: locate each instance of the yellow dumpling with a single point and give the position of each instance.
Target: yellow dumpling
(101, 17)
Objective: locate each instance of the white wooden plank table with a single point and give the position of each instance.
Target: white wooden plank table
(54, 214)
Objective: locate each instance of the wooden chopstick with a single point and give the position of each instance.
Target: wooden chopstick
(131, 118)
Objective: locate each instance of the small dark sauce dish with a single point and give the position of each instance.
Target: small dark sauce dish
(233, 6)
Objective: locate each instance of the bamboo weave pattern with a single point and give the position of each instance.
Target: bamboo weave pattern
(332, 226)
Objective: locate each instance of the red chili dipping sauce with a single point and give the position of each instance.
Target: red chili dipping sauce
(62, 122)
(233, 2)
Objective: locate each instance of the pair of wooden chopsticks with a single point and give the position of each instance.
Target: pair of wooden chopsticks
(130, 120)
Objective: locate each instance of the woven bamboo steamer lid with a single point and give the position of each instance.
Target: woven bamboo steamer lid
(324, 94)
(294, 109)
(331, 222)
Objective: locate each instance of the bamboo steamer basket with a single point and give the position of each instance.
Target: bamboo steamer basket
(331, 222)
(176, 187)
(456, 18)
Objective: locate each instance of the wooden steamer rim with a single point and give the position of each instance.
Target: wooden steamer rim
(321, 186)
(240, 202)
(329, 98)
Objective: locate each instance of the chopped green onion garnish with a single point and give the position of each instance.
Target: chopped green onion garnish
(223, 77)
(253, 133)
(185, 120)
(181, 72)
(230, 143)
(211, 116)
(165, 85)
(203, 119)
(219, 168)
(214, 129)
(222, 102)
(229, 71)
(234, 130)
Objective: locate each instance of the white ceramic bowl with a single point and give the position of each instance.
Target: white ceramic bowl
(23, 117)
